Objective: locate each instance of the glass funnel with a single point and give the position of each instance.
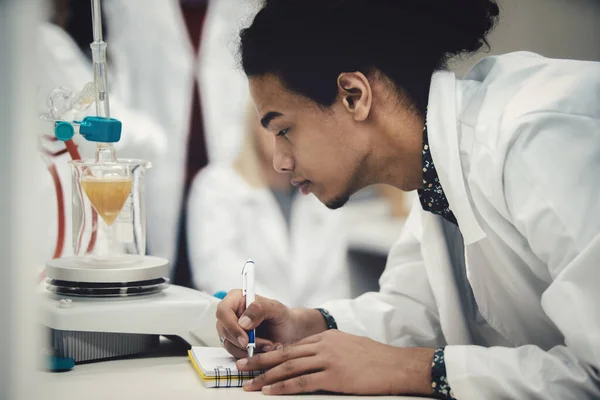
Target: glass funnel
(109, 220)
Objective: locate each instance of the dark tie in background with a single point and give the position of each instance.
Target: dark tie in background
(194, 13)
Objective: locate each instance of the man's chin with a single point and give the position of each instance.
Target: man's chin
(337, 202)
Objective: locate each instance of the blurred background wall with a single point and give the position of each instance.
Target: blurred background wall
(553, 28)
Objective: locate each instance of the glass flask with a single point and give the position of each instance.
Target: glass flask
(109, 216)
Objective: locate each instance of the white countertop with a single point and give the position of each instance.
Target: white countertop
(165, 375)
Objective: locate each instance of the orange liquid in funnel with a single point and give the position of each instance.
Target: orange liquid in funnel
(107, 195)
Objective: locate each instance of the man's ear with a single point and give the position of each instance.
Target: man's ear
(356, 95)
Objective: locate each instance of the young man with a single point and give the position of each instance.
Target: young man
(491, 292)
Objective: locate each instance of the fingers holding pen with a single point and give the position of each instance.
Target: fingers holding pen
(235, 320)
(234, 350)
(230, 308)
(228, 339)
(227, 318)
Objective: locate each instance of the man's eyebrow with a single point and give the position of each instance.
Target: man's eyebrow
(270, 116)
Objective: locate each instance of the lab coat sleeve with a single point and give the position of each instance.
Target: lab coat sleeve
(403, 312)
(215, 232)
(552, 193)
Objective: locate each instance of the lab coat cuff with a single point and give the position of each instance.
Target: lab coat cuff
(460, 363)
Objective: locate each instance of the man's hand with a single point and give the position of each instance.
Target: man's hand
(274, 323)
(338, 362)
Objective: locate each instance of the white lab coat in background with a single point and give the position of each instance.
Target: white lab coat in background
(517, 148)
(303, 264)
(62, 64)
(155, 67)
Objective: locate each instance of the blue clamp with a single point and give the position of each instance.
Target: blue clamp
(98, 129)
(94, 129)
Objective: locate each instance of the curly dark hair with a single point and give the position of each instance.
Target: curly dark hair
(308, 43)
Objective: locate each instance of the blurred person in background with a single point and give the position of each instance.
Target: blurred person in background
(63, 48)
(250, 210)
(174, 60)
(64, 51)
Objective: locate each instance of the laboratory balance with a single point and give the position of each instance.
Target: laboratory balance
(109, 299)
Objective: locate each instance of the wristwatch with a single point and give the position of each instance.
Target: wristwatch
(329, 320)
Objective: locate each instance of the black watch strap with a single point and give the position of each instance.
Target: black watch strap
(329, 320)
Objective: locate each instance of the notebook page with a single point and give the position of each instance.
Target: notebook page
(212, 360)
(217, 368)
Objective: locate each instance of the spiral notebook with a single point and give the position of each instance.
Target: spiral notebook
(217, 369)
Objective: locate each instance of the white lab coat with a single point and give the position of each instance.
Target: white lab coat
(155, 67)
(303, 264)
(517, 148)
(62, 64)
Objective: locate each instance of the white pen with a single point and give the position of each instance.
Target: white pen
(248, 290)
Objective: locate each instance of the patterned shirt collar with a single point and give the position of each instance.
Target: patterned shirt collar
(432, 195)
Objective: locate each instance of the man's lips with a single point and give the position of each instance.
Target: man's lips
(302, 184)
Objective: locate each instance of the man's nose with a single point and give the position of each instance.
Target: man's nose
(282, 161)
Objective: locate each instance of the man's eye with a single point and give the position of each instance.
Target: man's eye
(283, 132)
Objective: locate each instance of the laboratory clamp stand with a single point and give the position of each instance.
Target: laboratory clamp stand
(109, 299)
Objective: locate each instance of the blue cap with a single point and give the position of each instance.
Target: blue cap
(59, 364)
(98, 129)
(64, 131)
(220, 295)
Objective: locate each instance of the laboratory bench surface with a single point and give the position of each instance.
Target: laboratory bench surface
(165, 374)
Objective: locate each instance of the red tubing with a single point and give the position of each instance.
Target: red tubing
(60, 202)
(73, 151)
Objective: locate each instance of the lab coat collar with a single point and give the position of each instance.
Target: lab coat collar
(442, 128)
